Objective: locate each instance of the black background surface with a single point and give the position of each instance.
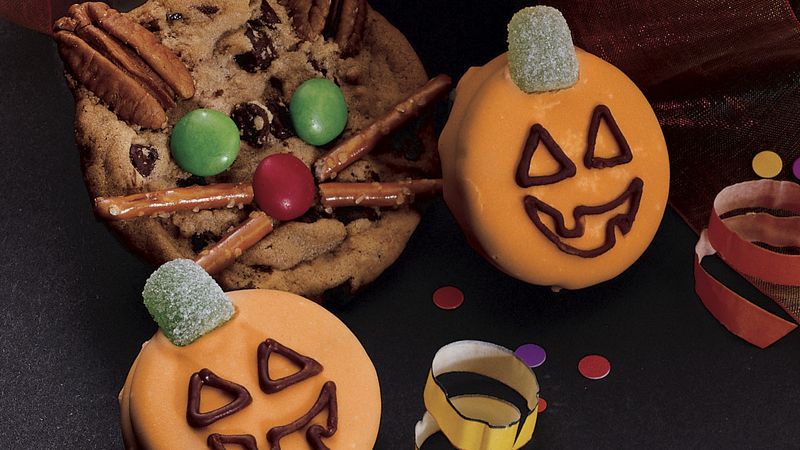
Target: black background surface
(72, 319)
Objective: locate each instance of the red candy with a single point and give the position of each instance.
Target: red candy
(283, 187)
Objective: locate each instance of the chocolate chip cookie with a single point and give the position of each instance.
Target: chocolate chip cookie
(246, 58)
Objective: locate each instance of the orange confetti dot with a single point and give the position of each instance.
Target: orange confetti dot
(767, 164)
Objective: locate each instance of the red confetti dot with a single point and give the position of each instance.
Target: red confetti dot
(542, 405)
(594, 367)
(448, 297)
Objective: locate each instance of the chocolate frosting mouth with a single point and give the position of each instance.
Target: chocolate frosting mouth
(632, 194)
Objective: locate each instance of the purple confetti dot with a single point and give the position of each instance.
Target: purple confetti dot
(531, 354)
(796, 168)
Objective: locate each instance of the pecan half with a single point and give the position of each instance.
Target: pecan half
(308, 16)
(342, 20)
(122, 63)
(346, 23)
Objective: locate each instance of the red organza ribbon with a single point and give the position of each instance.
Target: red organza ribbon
(37, 15)
(722, 75)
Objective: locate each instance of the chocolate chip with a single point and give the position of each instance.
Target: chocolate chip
(193, 180)
(268, 17)
(218, 93)
(143, 158)
(318, 67)
(263, 52)
(281, 119)
(339, 296)
(208, 10)
(253, 122)
(352, 213)
(202, 240)
(172, 17)
(276, 84)
(152, 26)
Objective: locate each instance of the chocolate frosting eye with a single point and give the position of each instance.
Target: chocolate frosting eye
(602, 113)
(197, 419)
(308, 367)
(539, 134)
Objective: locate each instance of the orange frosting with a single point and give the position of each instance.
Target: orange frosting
(154, 399)
(482, 145)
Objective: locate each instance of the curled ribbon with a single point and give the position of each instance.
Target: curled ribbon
(474, 421)
(734, 238)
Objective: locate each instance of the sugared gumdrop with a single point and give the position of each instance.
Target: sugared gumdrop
(185, 301)
(541, 56)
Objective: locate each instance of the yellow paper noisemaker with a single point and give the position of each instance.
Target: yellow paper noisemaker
(474, 421)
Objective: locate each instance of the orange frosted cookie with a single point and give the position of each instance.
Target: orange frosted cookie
(565, 187)
(281, 372)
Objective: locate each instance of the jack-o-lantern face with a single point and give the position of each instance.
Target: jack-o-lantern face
(631, 197)
(563, 188)
(312, 386)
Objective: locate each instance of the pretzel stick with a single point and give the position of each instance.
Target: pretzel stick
(173, 200)
(220, 256)
(352, 149)
(335, 195)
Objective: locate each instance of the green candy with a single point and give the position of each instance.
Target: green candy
(205, 142)
(541, 56)
(319, 111)
(185, 301)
